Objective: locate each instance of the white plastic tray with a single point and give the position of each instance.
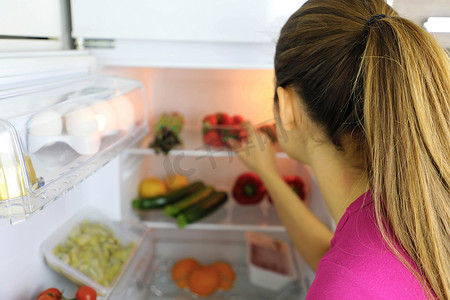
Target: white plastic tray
(276, 255)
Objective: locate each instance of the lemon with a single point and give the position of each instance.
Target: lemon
(151, 187)
(176, 181)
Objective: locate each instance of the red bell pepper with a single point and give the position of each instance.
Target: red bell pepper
(248, 189)
(297, 185)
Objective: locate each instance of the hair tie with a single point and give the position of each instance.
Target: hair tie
(370, 22)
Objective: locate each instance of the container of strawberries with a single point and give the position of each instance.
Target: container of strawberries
(220, 127)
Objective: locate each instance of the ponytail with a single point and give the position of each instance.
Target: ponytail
(405, 78)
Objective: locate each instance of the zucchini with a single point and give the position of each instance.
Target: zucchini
(173, 210)
(201, 209)
(169, 198)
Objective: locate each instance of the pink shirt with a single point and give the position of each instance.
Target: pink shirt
(359, 264)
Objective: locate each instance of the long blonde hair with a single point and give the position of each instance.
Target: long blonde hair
(387, 84)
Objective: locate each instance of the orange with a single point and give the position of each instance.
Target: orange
(181, 270)
(204, 281)
(225, 284)
(176, 181)
(151, 187)
(227, 275)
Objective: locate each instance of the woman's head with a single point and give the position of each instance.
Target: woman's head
(383, 83)
(318, 55)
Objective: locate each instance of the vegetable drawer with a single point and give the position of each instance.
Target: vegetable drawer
(149, 274)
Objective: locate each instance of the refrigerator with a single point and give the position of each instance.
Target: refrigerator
(75, 129)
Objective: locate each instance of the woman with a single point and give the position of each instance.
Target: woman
(362, 97)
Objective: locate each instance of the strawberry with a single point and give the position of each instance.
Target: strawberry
(224, 119)
(210, 120)
(238, 119)
(208, 123)
(212, 138)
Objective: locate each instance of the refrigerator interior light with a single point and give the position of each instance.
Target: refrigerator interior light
(437, 24)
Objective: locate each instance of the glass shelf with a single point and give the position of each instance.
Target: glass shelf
(54, 136)
(219, 173)
(231, 216)
(192, 145)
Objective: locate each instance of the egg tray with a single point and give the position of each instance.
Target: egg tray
(83, 145)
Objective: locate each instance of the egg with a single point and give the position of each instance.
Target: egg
(81, 122)
(105, 115)
(46, 123)
(66, 107)
(124, 111)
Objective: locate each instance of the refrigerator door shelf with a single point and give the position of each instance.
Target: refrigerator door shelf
(87, 145)
(149, 274)
(54, 136)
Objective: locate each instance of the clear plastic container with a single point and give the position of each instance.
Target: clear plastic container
(219, 135)
(127, 235)
(219, 128)
(270, 263)
(55, 135)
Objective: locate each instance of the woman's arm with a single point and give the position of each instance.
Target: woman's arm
(308, 234)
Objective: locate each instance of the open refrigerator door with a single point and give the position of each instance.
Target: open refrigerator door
(61, 122)
(56, 132)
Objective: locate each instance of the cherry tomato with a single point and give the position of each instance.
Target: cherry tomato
(51, 293)
(86, 293)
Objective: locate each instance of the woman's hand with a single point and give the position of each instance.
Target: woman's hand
(257, 151)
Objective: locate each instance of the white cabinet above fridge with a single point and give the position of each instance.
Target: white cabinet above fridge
(27, 25)
(179, 33)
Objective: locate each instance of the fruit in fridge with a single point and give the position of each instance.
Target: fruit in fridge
(220, 127)
(226, 273)
(204, 281)
(52, 293)
(182, 269)
(224, 119)
(212, 138)
(151, 187)
(176, 181)
(86, 293)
